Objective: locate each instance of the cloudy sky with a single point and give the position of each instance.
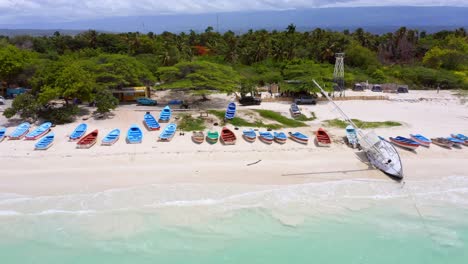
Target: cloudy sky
(15, 11)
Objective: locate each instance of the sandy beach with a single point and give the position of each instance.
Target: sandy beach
(65, 169)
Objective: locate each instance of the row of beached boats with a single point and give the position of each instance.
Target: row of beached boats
(228, 137)
(415, 140)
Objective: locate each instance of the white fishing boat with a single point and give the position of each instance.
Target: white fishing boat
(381, 154)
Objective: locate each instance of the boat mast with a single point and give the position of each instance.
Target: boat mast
(345, 117)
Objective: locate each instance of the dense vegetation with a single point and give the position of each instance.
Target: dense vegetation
(87, 65)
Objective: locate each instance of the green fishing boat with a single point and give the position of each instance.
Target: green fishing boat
(212, 137)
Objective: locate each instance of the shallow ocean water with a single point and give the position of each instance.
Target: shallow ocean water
(348, 221)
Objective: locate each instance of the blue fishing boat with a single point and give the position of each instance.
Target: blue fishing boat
(111, 138)
(351, 136)
(461, 137)
(168, 133)
(249, 135)
(20, 131)
(79, 132)
(405, 143)
(230, 111)
(45, 142)
(39, 131)
(456, 142)
(165, 115)
(266, 137)
(299, 137)
(2, 133)
(150, 122)
(280, 137)
(134, 135)
(422, 140)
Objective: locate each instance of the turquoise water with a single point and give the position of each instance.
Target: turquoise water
(335, 222)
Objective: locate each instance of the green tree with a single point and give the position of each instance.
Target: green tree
(12, 62)
(25, 105)
(105, 101)
(358, 56)
(200, 75)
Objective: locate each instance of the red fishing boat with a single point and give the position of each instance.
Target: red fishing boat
(323, 139)
(88, 140)
(227, 136)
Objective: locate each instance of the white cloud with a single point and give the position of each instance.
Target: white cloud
(14, 11)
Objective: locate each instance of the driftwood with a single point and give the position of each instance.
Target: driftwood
(253, 163)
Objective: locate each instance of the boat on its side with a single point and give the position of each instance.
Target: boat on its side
(212, 137)
(230, 111)
(150, 122)
(280, 137)
(422, 140)
(299, 137)
(20, 131)
(405, 143)
(168, 133)
(79, 132)
(45, 142)
(266, 137)
(442, 142)
(88, 141)
(461, 137)
(165, 115)
(351, 136)
(134, 135)
(111, 138)
(2, 133)
(198, 137)
(39, 131)
(249, 135)
(227, 136)
(322, 137)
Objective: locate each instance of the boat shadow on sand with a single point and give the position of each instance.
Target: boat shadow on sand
(407, 150)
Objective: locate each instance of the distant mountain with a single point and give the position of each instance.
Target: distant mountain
(374, 19)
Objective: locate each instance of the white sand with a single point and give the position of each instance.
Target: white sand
(63, 168)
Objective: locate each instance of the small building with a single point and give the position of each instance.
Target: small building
(131, 94)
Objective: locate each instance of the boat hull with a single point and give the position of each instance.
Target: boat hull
(249, 139)
(88, 141)
(36, 136)
(322, 138)
(228, 137)
(110, 142)
(198, 138)
(442, 143)
(405, 145)
(421, 142)
(393, 168)
(168, 133)
(266, 140)
(304, 141)
(45, 143)
(17, 137)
